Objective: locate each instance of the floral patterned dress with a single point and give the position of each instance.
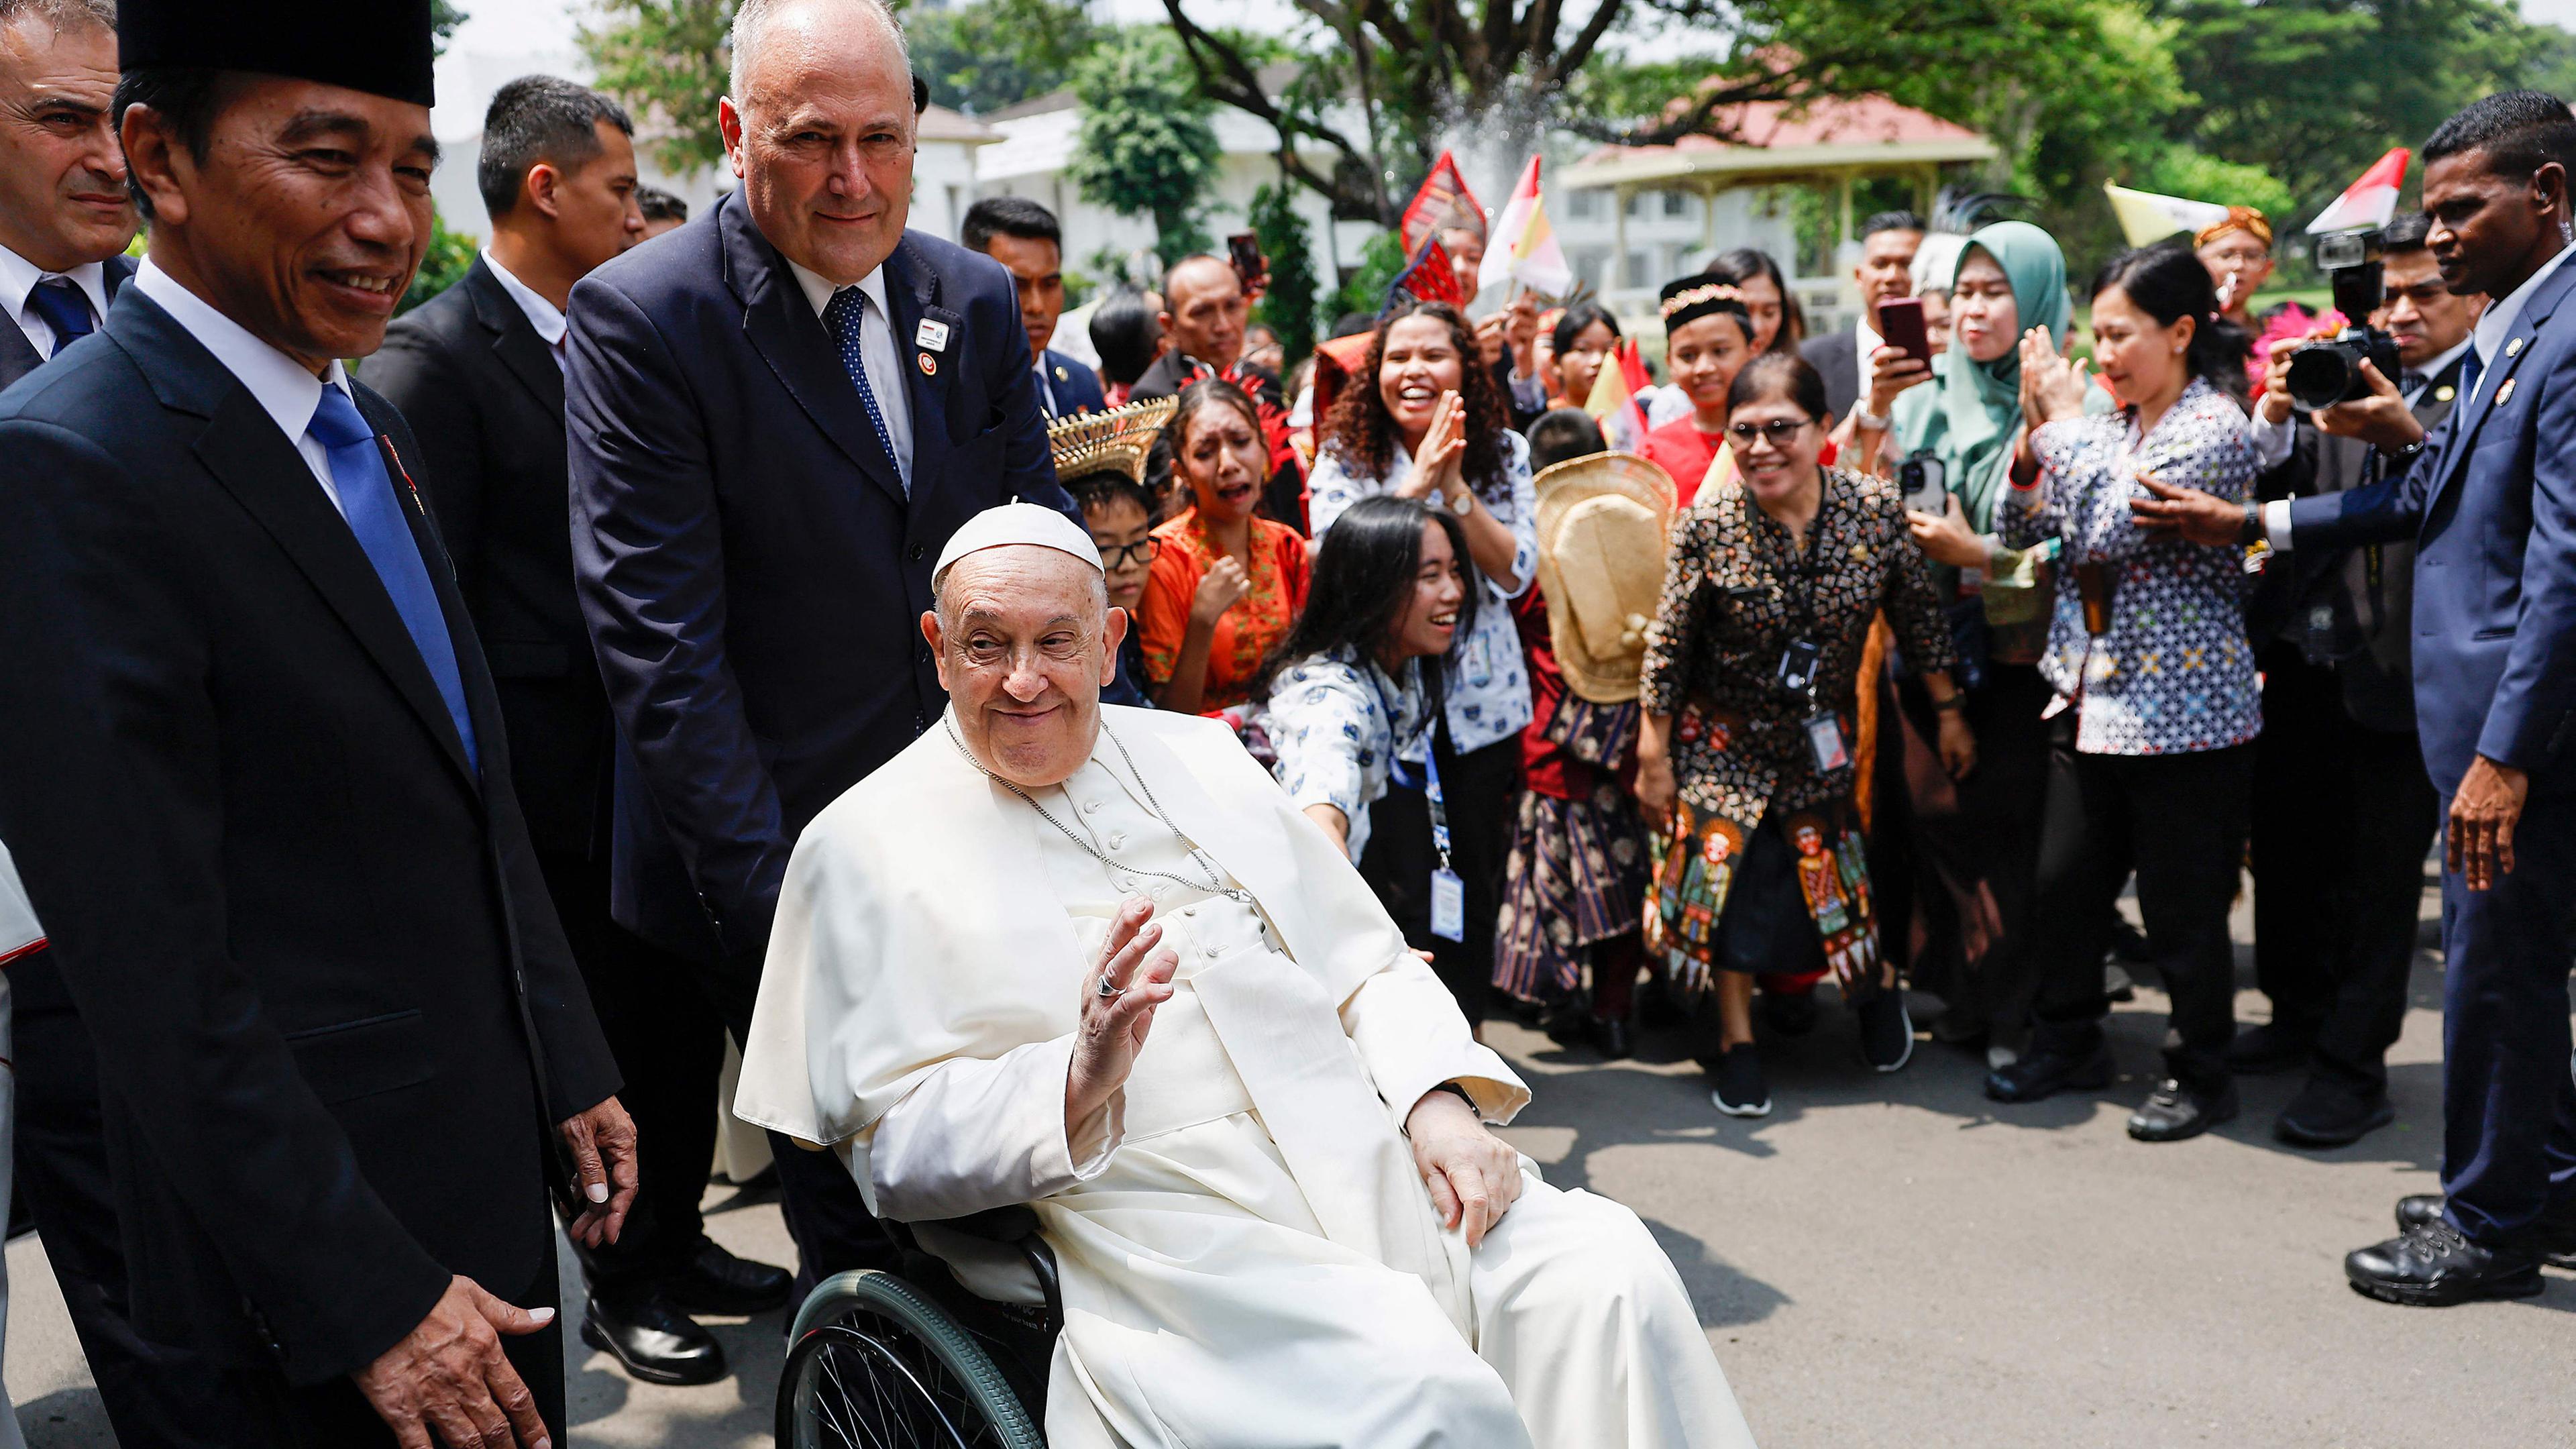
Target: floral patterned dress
(1737, 594)
(2174, 673)
(1338, 721)
(1247, 632)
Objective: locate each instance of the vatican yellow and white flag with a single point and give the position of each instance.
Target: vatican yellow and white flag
(1523, 246)
(2147, 218)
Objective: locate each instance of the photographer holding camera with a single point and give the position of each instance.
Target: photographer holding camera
(2489, 498)
(2343, 811)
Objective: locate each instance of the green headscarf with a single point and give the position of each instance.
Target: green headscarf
(1968, 416)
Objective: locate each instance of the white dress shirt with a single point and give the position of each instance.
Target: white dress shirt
(878, 353)
(544, 316)
(2489, 337)
(278, 383)
(1865, 340)
(18, 279)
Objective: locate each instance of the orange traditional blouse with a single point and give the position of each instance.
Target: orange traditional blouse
(1246, 633)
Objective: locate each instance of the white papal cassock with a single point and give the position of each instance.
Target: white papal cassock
(1248, 1254)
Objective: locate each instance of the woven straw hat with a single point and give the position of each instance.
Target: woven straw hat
(1116, 441)
(1602, 522)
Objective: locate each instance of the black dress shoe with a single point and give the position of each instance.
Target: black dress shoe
(718, 1282)
(2556, 1233)
(2329, 1116)
(2260, 1051)
(2046, 1070)
(1610, 1037)
(1789, 1013)
(2433, 1266)
(652, 1339)
(2173, 1111)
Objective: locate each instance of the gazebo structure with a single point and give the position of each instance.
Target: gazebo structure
(1828, 142)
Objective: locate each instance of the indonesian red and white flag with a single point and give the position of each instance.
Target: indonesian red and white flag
(2369, 202)
(1523, 246)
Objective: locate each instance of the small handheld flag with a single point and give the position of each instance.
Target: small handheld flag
(2147, 218)
(1524, 247)
(2368, 202)
(1442, 200)
(1431, 276)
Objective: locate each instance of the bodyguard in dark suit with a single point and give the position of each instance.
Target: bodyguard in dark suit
(478, 372)
(65, 220)
(2343, 811)
(2489, 500)
(1024, 238)
(256, 776)
(778, 414)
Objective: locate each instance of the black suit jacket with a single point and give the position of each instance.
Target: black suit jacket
(484, 395)
(1076, 387)
(333, 1010)
(35, 983)
(750, 564)
(1836, 356)
(18, 355)
(2366, 592)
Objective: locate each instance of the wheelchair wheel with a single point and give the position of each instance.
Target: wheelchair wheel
(876, 1364)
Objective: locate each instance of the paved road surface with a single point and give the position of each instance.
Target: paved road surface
(1890, 1261)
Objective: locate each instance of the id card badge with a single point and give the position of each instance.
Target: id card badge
(1798, 665)
(1448, 905)
(1825, 737)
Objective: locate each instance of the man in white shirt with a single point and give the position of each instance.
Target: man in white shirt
(1885, 272)
(478, 372)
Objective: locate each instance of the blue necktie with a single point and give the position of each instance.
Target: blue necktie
(64, 309)
(2471, 367)
(375, 516)
(846, 315)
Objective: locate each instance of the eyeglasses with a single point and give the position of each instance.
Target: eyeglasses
(1778, 430)
(1116, 556)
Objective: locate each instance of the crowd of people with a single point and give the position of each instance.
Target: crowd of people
(432, 739)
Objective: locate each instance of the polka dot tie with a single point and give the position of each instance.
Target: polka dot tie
(846, 316)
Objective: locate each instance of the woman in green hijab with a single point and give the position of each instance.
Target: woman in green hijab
(1974, 842)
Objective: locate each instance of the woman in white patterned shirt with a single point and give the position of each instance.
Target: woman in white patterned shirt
(1353, 689)
(2157, 706)
(1420, 421)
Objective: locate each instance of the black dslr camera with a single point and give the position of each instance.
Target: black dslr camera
(2322, 374)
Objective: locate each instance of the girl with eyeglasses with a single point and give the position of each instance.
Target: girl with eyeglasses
(1745, 753)
(1224, 586)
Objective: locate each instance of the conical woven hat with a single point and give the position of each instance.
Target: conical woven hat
(1602, 524)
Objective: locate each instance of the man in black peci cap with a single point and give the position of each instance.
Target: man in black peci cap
(254, 773)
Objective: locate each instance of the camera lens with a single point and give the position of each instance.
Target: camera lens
(2322, 374)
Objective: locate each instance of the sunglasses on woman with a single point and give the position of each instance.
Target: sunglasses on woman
(1778, 430)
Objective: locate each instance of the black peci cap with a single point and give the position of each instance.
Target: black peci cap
(382, 47)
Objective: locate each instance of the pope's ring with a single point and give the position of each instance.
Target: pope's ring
(1110, 991)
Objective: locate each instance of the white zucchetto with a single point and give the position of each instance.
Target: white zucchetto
(1016, 523)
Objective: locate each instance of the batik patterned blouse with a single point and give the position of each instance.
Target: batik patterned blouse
(1246, 632)
(1338, 722)
(1736, 594)
(2175, 673)
(1489, 690)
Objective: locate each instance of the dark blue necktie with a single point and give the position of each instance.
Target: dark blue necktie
(64, 309)
(2471, 366)
(846, 315)
(375, 516)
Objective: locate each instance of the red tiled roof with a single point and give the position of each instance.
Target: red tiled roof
(1782, 125)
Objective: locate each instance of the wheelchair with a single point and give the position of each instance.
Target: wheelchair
(911, 1359)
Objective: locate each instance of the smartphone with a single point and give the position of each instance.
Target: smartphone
(1900, 325)
(1924, 480)
(1253, 269)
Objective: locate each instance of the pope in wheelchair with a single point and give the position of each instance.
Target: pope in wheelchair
(1091, 959)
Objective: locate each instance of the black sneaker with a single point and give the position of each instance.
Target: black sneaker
(2047, 1069)
(2173, 1111)
(2325, 1115)
(2435, 1266)
(1741, 1092)
(1886, 1032)
(2555, 1234)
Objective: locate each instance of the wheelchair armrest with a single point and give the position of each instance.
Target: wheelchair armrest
(1014, 1223)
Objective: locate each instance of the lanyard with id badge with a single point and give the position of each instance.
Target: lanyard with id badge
(1448, 892)
(1802, 669)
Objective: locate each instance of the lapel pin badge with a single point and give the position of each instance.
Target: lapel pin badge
(1061, 375)
(929, 365)
(2445, 393)
(931, 336)
(2513, 348)
(2505, 393)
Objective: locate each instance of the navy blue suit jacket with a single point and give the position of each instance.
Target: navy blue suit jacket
(1076, 387)
(750, 566)
(2491, 506)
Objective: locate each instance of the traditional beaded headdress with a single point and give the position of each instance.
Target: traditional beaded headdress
(2239, 218)
(1692, 298)
(1115, 441)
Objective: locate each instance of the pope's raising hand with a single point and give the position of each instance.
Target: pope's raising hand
(1118, 1000)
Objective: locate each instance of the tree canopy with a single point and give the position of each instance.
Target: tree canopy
(1146, 146)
